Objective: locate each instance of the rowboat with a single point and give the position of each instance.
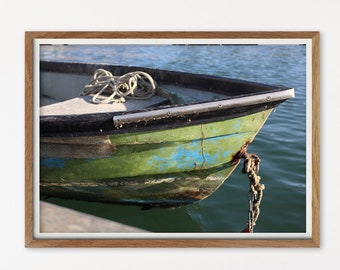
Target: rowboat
(173, 148)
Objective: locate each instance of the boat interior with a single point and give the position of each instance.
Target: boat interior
(60, 95)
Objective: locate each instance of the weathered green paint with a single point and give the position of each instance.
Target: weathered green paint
(171, 189)
(159, 167)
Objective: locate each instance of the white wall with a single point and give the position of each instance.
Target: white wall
(19, 16)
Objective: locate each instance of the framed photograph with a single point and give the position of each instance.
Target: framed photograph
(172, 139)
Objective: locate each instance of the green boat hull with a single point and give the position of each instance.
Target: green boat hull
(158, 168)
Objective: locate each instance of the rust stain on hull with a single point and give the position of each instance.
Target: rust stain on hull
(238, 155)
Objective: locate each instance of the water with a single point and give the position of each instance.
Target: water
(281, 144)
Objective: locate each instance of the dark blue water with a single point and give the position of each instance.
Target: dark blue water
(281, 144)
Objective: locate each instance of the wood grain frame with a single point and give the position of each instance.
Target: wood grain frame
(31, 241)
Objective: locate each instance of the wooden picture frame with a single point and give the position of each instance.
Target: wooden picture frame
(31, 241)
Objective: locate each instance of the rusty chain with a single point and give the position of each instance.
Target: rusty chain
(251, 167)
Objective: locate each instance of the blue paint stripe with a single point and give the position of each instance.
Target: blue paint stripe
(53, 162)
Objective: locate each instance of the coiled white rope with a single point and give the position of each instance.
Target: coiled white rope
(107, 88)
